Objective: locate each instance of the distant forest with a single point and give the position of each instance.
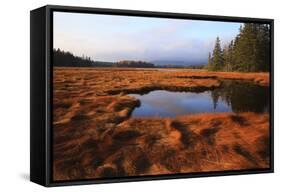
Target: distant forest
(248, 52)
(67, 59)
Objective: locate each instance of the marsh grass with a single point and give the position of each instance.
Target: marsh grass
(95, 136)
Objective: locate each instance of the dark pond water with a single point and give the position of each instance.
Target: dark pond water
(233, 96)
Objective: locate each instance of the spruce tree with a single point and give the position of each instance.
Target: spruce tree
(263, 48)
(217, 60)
(230, 56)
(210, 63)
(248, 52)
(225, 55)
(252, 51)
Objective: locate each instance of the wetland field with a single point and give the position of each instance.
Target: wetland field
(119, 122)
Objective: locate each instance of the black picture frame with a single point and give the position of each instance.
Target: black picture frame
(41, 42)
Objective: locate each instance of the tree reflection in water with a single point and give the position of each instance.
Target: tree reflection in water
(242, 96)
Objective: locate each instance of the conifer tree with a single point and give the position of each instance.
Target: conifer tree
(225, 55)
(209, 66)
(252, 48)
(248, 52)
(217, 59)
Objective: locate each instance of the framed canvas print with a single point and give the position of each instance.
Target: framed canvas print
(121, 95)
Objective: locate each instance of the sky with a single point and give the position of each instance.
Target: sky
(114, 38)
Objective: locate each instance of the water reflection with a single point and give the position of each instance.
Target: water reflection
(233, 96)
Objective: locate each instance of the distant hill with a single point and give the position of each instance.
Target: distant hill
(179, 63)
(136, 64)
(67, 59)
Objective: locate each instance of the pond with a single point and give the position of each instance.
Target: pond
(232, 96)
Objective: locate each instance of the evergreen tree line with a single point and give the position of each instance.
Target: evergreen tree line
(248, 52)
(67, 59)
